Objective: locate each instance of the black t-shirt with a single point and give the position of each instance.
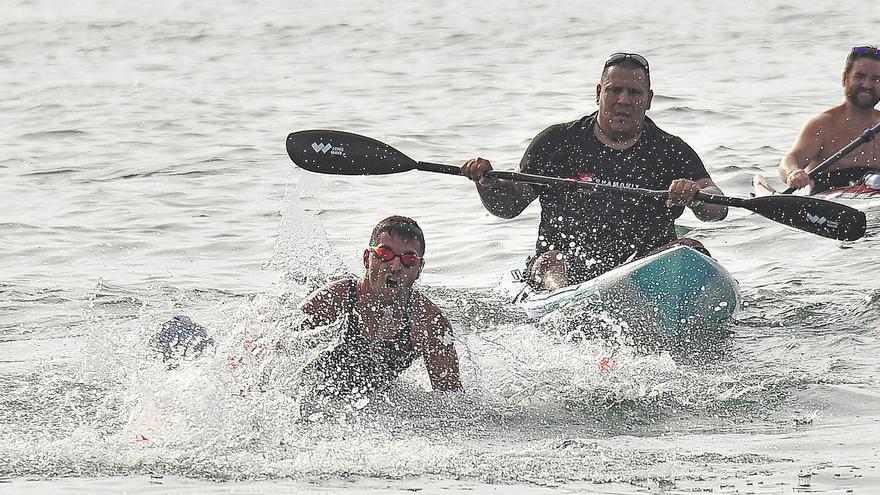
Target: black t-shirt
(602, 230)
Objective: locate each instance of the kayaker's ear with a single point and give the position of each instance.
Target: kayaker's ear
(366, 258)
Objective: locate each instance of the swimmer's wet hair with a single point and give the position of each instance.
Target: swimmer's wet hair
(400, 226)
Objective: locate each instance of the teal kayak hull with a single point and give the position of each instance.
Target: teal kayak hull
(673, 294)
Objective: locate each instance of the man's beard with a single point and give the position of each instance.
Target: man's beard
(853, 97)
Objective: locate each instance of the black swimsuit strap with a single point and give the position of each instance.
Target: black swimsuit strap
(406, 330)
(354, 322)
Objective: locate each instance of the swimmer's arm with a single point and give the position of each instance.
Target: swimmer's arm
(325, 305)
(438, 349)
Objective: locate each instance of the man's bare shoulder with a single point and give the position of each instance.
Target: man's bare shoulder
(839, 117)
(423, 305)
(328, 295)
(830, 118)
(428, 315)
(825, 126)
(838, 124)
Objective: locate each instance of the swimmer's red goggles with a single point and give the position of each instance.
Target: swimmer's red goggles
(386, 254)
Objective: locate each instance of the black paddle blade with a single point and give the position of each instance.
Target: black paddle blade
(344, 153)
(814, 215)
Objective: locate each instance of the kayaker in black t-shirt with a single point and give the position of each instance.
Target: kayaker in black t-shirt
(586, 233)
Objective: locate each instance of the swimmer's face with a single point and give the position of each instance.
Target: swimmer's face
(393, 278)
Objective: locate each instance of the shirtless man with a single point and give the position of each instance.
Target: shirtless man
(828, 132)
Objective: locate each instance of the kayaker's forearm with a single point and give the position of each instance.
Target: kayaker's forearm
(504, 198)
(710, 212)
(788, 165)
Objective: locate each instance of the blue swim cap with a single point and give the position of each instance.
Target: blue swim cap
(180, 337)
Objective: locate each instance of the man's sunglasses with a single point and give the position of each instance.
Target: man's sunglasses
(866, 51)
(386, 254)
(616, 58)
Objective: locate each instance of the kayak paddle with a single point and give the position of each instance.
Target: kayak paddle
(344, 153)
(831, 160)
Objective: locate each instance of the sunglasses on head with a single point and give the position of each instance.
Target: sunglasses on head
(869, 51)
(616, 58)
(386, 254)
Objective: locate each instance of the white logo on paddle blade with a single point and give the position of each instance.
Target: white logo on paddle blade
(321, 147)
(816, 219)
(822, 221)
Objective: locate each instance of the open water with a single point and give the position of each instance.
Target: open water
(143, 174)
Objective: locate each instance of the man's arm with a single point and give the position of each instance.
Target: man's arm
(507, 199)
(325, 305)
(682, 192)
(438, 349)
(502, 198)
(694, 178)
(806, 149)
(705, 211)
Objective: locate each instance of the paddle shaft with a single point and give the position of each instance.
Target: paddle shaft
(344, 153)
(805, 213)
(556, 181)
(831, 160)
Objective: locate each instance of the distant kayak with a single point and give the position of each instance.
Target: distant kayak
(671, 294)
(867, 187)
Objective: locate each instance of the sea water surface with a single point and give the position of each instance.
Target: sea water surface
(144, 175)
